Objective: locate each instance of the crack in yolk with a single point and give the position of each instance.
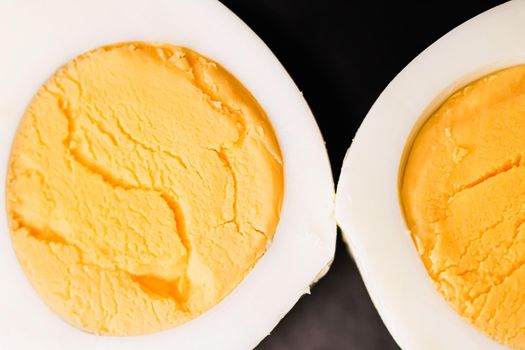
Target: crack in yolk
(463, 194)
(176, 289)
(144, 183)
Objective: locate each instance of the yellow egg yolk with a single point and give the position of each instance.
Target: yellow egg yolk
(463, 193)
(144, 183)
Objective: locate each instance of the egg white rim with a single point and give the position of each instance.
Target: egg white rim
(367, 201)
(38, 37)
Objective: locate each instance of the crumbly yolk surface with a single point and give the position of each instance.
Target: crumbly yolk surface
(144, 183)
(463, 193)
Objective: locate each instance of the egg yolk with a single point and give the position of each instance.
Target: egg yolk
(463, 193)
(144, 183)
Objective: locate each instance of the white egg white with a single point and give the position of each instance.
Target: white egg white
(39, 36)
(367, 202)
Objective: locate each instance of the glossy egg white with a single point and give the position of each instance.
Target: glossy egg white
(367, 202)
(39, 36)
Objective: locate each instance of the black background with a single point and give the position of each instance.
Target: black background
(342, 54)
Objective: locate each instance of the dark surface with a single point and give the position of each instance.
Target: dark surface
(342, 54)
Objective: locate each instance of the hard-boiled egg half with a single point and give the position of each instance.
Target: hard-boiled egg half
(430, 194)
(166, 184)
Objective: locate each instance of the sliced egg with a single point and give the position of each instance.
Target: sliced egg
(40, 38)
(368, 207)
